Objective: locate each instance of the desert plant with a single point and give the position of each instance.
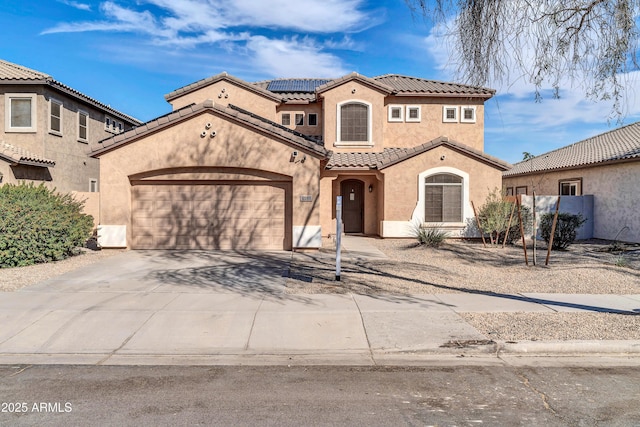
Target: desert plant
(566, 229)
(514, 234)
(494, 215)
(39, 225)
(428, 236)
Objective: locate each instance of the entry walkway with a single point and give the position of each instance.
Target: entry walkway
(361, 247)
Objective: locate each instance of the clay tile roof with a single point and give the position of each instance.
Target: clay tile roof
(405, 85)
(11, 73)
(391, 156)
(20, 156)
(354, 76)
(218, 77)
(234, 113)
(620, 144)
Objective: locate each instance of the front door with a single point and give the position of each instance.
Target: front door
(352, 191)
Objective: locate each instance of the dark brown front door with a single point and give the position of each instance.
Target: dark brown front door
(352, 205)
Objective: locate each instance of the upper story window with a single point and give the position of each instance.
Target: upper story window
(395, 113)
(443, 198)
(20, 112)
(354, 124)
(468, 114)
(312, 119)
(55, 116)
(286, 119)
(449, 114)
(413, 113)
(299, 119)
(113, 126)
(83, 126)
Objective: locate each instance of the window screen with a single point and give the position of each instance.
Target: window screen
(443, 198)
(353, 122)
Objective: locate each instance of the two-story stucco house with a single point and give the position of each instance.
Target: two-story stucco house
(259, 165)
(46, 129)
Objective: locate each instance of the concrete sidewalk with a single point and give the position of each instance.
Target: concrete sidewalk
(226, 308)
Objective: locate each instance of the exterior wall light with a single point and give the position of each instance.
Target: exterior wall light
(370, 188)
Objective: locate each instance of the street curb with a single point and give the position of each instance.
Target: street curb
(590, 347)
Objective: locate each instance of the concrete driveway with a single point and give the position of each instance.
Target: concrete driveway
(158, 307)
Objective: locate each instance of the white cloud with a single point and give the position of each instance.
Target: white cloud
(294, 58)
(306, 30)
(77, 5)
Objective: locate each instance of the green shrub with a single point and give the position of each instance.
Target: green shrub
(431, 237)
(39, 225)
(514, 231)
(494, 215)
(566, 229)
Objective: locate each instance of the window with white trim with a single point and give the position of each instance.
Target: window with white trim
(449, 114)
(299, 119)
(571, 187)
(286, 119)
(443, 198)
(312, 119)
(468, 114)
(354, 124)
(413, 113)
(395, 113)
(83, 126)
(55, 116)
(20, 112)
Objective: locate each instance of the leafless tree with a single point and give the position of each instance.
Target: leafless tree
(549, 43)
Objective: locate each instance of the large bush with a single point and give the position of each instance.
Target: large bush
(38, 225)
(566, 229)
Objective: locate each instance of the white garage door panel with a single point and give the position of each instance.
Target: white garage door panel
(208, 217)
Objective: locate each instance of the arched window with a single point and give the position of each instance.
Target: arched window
(354, 122)
(443, 198)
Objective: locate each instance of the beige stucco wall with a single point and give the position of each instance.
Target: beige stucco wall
(74, 168)
(353, 91)
(615, 191)
(226, 92)
(402, 186)
(431, 125)
(180, 146)
(91, 204)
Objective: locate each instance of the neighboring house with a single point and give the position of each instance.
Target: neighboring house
(259, 165)
(606, 166)
(47, 128)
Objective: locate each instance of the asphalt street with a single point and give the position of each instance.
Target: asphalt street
(329, 395)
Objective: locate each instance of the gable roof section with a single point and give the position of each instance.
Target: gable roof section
(214, 79)
(405, 85)
(622, 144)
(258, 123)
(392, 156)
(11, 73)
(20, 156)
(357, 77)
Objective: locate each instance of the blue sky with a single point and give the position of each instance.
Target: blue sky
(130, 53)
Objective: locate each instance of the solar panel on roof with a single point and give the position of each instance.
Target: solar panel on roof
(296, 85)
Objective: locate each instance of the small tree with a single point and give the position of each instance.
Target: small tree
(38, 225)
(566, 229)
(494, 215)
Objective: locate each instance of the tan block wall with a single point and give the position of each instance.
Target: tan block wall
(225, 93)
(431, 126)
(180, 146)
(344, 93)
(615, 191)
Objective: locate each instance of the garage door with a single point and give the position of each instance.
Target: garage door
(225, 216)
